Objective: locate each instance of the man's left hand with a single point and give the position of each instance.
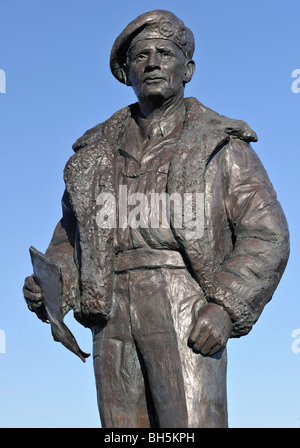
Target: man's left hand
(211, 330)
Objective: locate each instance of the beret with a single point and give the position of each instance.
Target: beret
(156, 24)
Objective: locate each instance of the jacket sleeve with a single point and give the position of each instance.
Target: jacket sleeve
(62, 250)
(248, 277)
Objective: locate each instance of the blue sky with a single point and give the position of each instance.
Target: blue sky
(58, 84)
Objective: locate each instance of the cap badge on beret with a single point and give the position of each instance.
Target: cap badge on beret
(168, 29)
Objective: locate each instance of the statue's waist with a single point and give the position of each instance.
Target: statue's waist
(147, 258)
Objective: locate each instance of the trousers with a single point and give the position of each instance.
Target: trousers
(146, 373)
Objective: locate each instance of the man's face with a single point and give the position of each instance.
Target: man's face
(156, 68)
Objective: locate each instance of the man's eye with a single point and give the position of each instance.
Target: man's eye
(140, 57)
(166, 55)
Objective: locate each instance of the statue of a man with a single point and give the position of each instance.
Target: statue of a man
(162, 296)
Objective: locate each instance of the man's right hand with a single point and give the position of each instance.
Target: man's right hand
(33, 297)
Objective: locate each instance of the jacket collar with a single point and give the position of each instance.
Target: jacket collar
(199, 118)
(211, 130)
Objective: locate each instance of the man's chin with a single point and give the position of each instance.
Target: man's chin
(154, 94)
(154, 91)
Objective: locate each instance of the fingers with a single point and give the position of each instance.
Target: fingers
(33, 297)
(201, 337)
(32, 294)
(211, 331)
(31, 284)
(32, 291)
(208, 344)
(196, 332)
(36, 305)
(217, 348)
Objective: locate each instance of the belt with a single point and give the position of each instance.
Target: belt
(147, 258)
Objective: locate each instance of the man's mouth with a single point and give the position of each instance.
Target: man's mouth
(153, 79)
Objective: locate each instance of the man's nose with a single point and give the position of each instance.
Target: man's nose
(153, 60)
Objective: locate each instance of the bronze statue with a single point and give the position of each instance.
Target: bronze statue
(171, 241)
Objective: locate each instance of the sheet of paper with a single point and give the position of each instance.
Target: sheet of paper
(49, 278)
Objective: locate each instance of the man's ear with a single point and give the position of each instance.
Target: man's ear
(123, 76)
(190, 68)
